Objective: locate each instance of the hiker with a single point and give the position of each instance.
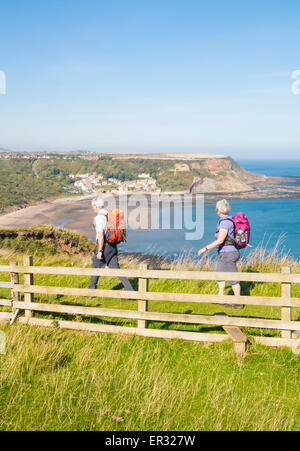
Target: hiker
(229, 255)
(106, 253)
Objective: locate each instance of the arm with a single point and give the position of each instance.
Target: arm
(220, 240)
(100, 238)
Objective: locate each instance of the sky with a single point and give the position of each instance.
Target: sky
(159, 75)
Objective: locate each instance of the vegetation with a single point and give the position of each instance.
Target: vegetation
(45, 240)
(19, 187)
(124, 170)
(27, 181)
(60, 380)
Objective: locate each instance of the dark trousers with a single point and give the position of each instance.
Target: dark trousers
(110, 259)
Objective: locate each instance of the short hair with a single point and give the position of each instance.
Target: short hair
(223, 207)
(98, 202)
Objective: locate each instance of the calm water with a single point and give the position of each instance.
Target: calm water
(282, 168)
(270, 219)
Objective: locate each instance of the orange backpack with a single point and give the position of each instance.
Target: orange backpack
(116, 227)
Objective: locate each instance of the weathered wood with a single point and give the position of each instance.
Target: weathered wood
(6, 285)
(238, 338)
(229, 324)
(4, 268)
(236, 334)
(155, 333)
(14, 278)
(286, 292)
(5, 317)
(166, 297)
(168, 317)
(240, 348)
(163, 274)
(275, 342)
(28, 280)
(143, 305)
(6, 302)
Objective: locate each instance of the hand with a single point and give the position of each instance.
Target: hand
(99, 255)
(202, 251)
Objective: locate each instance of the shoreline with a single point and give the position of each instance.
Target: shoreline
(67, 212)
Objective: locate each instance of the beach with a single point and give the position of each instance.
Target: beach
(72, 213)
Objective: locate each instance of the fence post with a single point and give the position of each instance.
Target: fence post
(14, 278)
(28, 280)
(143, 305)
(286, 312)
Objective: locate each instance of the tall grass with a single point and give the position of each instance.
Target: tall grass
(65, 380)
(62, 380)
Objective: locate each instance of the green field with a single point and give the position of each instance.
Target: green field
(59, 380)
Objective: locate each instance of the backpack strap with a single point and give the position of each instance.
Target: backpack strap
(229, 241)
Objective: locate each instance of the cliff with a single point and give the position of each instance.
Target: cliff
(224, 175)
(196, 172)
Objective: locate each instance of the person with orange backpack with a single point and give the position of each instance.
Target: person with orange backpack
(110, 231)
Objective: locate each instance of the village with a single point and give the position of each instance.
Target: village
(95, 182)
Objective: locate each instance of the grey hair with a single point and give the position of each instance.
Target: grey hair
(223, 207)
(98, 202)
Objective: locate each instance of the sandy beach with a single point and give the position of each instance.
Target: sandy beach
(71, 213)
(75, 213)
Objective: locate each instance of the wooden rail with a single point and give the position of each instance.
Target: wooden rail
(230, 324)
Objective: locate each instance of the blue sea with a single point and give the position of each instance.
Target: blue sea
(281, 168)
(271, 220)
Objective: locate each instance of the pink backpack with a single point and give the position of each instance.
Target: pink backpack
(242, 230)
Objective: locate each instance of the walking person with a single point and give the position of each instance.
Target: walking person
(106, 254)
(229, 255)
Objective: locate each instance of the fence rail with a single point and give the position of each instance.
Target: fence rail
(155, 274)
(230, 324)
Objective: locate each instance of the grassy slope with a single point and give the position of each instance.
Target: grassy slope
(66, 380)
(52, 379)
(18, 186)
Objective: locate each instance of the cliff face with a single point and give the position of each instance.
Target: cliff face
(224, 175)
(197, 172)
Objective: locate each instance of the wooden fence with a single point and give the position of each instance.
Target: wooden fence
(230, 324)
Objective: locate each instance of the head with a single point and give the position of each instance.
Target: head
(223, 208)
(97, 204)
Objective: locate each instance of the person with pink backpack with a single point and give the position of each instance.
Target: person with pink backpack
(232, 235)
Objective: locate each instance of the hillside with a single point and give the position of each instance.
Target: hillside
(20, 188)
(197, 172)
(172, 172)
(27, 179)
(44, 241)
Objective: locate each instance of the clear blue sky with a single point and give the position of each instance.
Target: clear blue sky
(180, 75)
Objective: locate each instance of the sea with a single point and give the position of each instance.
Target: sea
(274, 222)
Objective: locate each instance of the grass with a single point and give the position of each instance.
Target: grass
(62, 380)
(65, 380)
